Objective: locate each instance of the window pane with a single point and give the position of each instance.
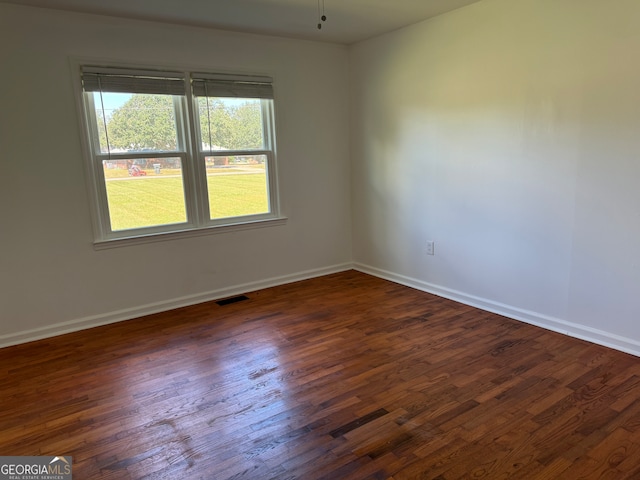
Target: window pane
(237, 185)
(230, 123)
(144, 192)
(135, 122)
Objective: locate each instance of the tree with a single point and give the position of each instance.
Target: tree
(102, 137)
(143, 122)
(230, 127)
(247, 126)
(147, 122)
(215, 124)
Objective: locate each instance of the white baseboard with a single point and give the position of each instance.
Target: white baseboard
(148, 309)
(599, 337)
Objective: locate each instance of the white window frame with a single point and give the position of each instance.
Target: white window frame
(192, 157)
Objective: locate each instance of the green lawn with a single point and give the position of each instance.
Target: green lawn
(148, 201)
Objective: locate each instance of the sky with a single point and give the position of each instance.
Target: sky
(111, 101)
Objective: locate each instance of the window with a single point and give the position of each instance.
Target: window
(178, 151)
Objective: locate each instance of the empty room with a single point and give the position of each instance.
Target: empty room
(311, 239)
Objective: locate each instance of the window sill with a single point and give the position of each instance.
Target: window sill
(197, 232)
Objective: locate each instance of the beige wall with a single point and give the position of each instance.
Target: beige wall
(508, 132)
(51, 278)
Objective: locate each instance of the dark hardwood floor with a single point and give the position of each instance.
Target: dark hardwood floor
(341, 377)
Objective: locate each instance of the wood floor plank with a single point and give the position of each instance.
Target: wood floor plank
(345, 376)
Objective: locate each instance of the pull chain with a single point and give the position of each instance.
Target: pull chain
(322, 16)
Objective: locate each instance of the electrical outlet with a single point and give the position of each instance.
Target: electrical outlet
(430, 247)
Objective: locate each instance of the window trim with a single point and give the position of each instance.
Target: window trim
(192, 157)
(195, 232)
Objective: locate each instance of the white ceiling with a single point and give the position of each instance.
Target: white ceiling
(348, 21)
